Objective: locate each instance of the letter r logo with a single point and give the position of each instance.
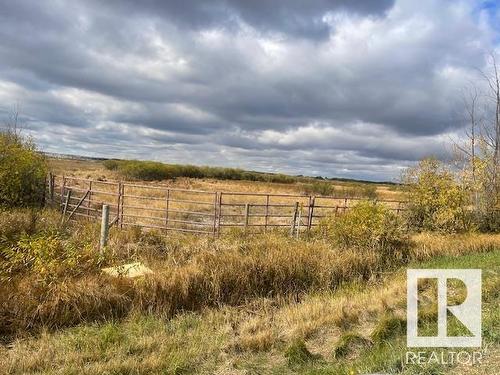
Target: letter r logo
(469, 312)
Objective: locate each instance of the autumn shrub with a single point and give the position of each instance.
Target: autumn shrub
(150, 171)
(436, 201)
(111, 164)
(368, 191)
(319, 188)
(22, 171)
(21, 221)
(489, 220)
(147, 171)
(33, 242)
(368, 225)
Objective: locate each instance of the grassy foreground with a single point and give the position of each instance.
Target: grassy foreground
(358, 329)
(263, 305)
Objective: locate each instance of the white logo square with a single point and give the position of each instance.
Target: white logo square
(469, 312)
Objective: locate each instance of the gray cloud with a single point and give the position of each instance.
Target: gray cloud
(347, 88)
(296, 18)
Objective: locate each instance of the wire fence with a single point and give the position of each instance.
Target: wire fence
(195, 211)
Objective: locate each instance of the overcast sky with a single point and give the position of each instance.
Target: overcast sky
(318, 87)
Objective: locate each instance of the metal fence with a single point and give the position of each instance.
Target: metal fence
(195, 211)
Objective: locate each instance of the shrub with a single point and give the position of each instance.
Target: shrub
(368, 225)
(47, 255)
(112, 165)
(320, 188)
(436, 202)
(22, 172)
(32, 242)
(489, 220)
(360, 191)
(149, 171)
(15, 223)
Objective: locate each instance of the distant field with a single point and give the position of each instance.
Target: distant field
(96, 170)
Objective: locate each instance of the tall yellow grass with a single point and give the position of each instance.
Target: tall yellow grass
(194, 272)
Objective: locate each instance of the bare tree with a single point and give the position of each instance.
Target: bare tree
(467, 149)
(12, 128)
(479, 151)
(491, 128)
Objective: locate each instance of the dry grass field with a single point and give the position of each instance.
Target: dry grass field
(210, 205)
(235, 306)
(230, 304)
(95, 170)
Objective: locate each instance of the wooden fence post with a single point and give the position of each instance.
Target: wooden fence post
(294, 219)
(63, 187)
(51, 188)
(65, 208)
(247, 212)
(310, 212)
(104, 228)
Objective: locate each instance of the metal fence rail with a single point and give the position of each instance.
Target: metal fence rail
(194, 211)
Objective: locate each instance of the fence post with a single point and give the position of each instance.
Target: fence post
(166, 210)
(51, 188)
(89, 203)
(266, 217)
(65, 208)
(345, 204)
(310, 212)
(215, 213)
(118, 204)
(122, 199)
(299, 218)
(104, 228)
(247, 212)
(220, 214)
(294, 220)
(63, 187)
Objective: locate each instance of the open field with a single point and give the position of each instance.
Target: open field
(96, 170)
(207, 205)
(229, 304)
